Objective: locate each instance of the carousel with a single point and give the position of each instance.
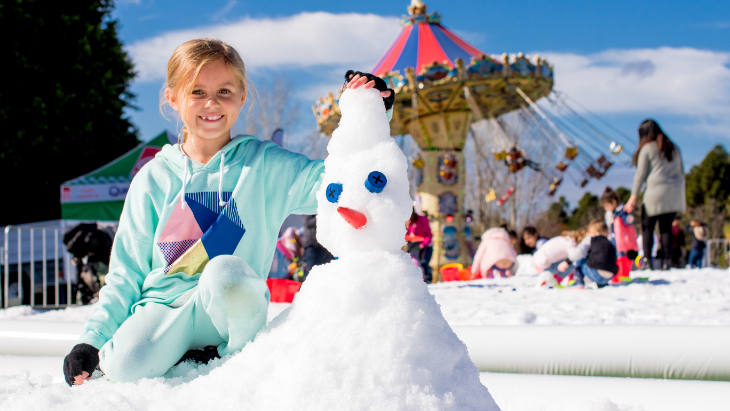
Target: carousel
(443, 86)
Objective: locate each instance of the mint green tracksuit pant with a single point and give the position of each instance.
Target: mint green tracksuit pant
(226, 309)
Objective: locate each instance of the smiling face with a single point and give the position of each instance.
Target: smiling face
(212, 107)
(364, 200)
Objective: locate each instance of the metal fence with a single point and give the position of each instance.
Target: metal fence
(35, 258)
(717, 253)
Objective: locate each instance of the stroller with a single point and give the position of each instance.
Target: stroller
(91, 248)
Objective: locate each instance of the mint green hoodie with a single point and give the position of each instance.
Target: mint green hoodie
(179, 214)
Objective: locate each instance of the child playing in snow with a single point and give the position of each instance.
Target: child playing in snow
(700, 235)
(418, 235)
(198, 230)
(548, 257)
(531, 240)
(495, 256)
(621, 232)
(594, 257)
(513, 240)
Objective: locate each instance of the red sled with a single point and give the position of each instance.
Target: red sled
(282, 290)
(457, 272)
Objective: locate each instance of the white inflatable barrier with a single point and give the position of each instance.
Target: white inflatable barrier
(670, 352)
(40, 338)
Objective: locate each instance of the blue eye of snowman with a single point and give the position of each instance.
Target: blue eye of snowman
(376, 182)
(333, 192)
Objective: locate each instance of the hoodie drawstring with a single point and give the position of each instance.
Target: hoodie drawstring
(220, 184)
(185, 180)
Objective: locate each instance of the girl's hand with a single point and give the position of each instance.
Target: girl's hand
(563, 266)
(629, 206)
(356, 79)
(362, 81)
(80, 363)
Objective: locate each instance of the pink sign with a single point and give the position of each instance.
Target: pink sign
(147, 154)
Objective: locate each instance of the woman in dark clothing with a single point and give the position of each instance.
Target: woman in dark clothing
(658, 164)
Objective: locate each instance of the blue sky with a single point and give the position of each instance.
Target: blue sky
(684, 48)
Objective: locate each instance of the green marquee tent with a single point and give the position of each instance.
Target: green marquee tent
(99, 195)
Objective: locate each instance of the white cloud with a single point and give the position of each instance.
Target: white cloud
(683, 81)
(302, 40)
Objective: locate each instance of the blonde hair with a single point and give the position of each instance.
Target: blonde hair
(186, 63)
(576, 235)
(598, 226)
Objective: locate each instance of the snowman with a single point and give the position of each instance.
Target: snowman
(363, 333)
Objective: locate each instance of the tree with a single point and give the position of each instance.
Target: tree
(708, 190)
(273, 106)
(62, 107)
(623, 194)
(710, 179)
(588, 209)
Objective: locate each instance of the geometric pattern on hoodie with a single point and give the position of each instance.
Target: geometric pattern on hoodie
(200, 232)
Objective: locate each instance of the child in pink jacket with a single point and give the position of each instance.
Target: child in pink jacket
(495, 255)
(555, 250)
(621, 232)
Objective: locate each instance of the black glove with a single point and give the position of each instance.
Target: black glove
(632, 254)
(83, 357)
(380, 85)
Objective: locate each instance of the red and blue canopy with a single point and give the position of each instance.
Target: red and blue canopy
(422, 43)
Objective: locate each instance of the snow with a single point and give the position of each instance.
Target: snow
(70, 315)
(679, 297)
(81, 313)
(526, 392)
(675, 297)
(361, 145)
(513, 392)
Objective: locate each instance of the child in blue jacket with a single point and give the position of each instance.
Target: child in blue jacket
(198, 231)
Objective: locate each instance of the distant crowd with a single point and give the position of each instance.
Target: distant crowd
(606, 250)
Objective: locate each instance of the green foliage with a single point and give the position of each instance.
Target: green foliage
(588, 209)
(558, 211)
(710, 180)
(63, 101)
(623, 194)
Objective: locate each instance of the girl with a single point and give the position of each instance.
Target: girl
(418, 235)
(658, 164)
(556, 250)
(621, 232)
(594, 257)
(531, 240)
(495, 256)
(198, 230)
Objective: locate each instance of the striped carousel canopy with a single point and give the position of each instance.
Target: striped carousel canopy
(423, 41)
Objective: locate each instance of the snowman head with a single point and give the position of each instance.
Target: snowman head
(364, 201)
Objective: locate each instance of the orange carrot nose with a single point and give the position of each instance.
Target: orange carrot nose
(353, 217)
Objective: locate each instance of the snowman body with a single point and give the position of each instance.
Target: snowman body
(363, 333)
